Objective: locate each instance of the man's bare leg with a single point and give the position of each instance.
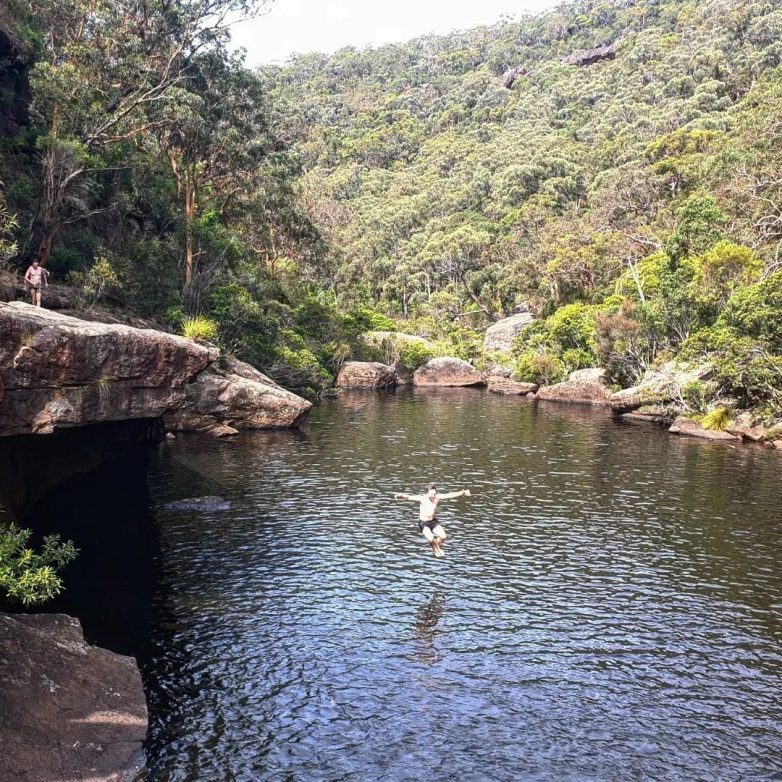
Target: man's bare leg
(432, 540)
(439, 538)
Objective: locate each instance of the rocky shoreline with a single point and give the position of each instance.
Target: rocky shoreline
(655, 400)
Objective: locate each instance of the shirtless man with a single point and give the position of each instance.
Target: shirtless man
(432, 530)
(36, 278)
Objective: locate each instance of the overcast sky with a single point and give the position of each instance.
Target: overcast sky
(327, 25)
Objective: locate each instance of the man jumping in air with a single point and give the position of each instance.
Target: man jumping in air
(432, 530)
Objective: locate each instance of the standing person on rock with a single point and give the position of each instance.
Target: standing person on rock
(35, 278)
(432, 530)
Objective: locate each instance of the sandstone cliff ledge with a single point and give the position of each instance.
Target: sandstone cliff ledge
(58, 371)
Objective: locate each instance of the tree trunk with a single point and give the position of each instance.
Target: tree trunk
(486, 311)
(189, 220)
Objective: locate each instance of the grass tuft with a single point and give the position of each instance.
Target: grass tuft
(717, 419)
(199, 329)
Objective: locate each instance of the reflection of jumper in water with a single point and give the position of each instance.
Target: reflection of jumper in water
(427, 618)
(432, 530)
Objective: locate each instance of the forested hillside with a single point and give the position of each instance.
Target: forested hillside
(636, 200)
(630, 195)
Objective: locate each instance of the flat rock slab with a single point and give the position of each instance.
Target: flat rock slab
(57, 371)
(199, 504)
(504, 385)
(689, 428)
(70, 711)
(447, 371)
(500, 335)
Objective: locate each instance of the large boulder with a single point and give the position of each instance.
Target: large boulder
(447, 371)
(500, 335)
(690, 428)
(366, 374)
(231, 395)
(70, 710)
(584, 386)
(57, 371)
(659, 387)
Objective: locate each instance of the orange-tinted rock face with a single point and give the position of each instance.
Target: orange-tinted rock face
(584, 386)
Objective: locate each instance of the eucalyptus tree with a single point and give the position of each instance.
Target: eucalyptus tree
(103, 70)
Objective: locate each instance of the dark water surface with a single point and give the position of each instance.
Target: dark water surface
(609, 607)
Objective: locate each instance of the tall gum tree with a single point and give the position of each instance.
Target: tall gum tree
(103, 69)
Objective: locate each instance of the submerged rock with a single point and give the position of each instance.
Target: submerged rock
(208, 503)
(71, 711)
(584, 386)
(366, 374)
(447, 371)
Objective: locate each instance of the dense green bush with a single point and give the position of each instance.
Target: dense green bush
(744, 367)
(568, 335)
(541, 368)
(415, 354)
(756, 311)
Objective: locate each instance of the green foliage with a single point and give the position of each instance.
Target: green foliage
(756, 311)
(699, 227)
(28, 576)
(415, 354)
(743, 367)
(96, 282)
(363, 319)
(721, 271)
(8, 224)
(541, 368)
(718, 419)
(630, 203)
(569, 335)
(199, 329)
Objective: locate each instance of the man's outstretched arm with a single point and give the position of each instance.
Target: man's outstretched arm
(454, 494)
(403, 496)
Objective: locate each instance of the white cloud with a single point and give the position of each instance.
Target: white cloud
(337, 13)
(302, 26)
(389, 34)
(292, 9)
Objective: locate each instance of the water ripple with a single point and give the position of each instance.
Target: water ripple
(608, 608)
